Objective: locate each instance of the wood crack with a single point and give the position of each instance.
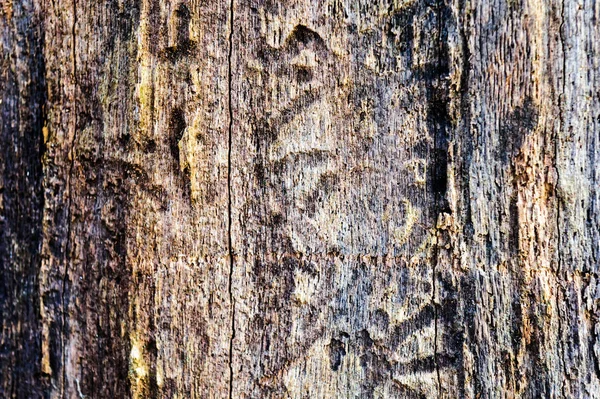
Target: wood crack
(69, 198)
(229, 204)
(561, 115)
(440, 124)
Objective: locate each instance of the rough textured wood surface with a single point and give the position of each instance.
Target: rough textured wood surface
(294, 199)
(22, 97)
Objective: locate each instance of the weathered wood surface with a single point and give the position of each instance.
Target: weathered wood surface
(270, 199)
(22, 96)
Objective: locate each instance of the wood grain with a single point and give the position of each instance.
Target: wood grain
(290, 199)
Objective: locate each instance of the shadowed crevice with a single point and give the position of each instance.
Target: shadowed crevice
(229, 200)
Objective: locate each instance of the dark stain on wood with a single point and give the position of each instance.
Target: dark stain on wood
(23, 95)
(515, 128)
(337, 351)
(177, 127)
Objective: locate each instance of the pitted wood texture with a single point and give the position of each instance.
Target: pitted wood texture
(135, 269)
(338, 160)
